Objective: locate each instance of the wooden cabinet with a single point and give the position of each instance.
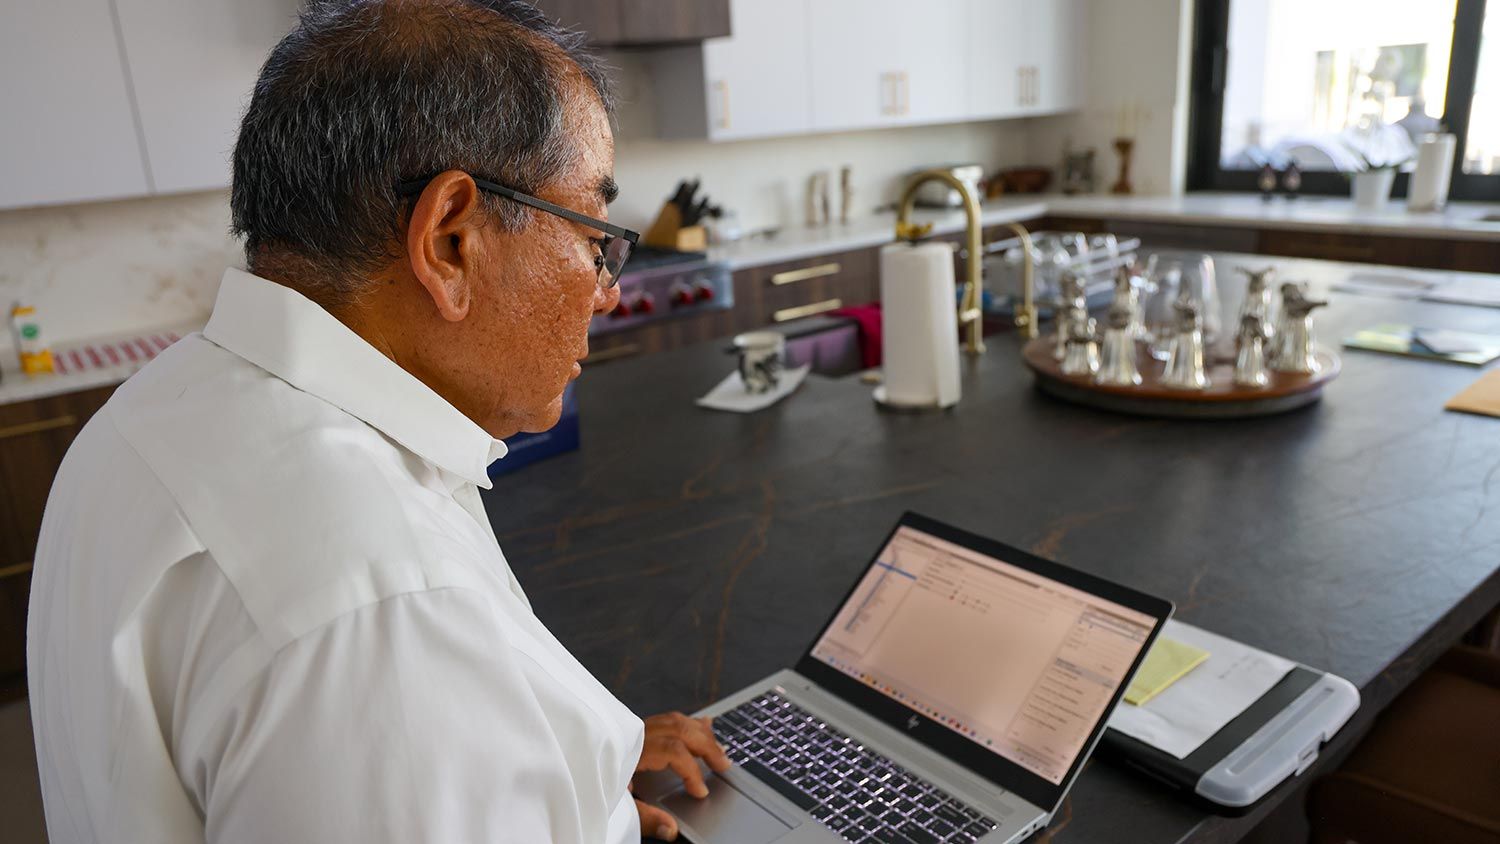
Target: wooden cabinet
(193, 64)
(67, 133)
(620, 23)
(771, 295)
(670, 21)
(599, 18)
(34, 436)
(727, 89)
(779, 293)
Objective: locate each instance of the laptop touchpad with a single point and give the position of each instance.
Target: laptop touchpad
(726, 815)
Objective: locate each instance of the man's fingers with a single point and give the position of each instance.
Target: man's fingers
(700, 739)
(683, 764)
(656, 822)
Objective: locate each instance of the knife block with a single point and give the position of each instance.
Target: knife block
(668, 232)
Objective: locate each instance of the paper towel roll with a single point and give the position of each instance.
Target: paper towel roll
(919, 316)
(1429, 184)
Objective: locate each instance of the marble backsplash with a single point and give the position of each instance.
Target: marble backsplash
(115, 267)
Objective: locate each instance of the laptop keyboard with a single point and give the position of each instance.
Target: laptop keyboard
(853, 790)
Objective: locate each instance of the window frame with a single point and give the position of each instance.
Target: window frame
(1206, 110)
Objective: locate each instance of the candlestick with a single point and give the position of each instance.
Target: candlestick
(1122, 185)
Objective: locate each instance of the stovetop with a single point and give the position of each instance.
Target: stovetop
(645, 257)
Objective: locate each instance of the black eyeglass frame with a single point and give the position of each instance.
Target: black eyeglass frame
(613, 232)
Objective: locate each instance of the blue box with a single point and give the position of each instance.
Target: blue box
(526, 449)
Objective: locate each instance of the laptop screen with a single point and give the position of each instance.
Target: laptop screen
(1018, 663)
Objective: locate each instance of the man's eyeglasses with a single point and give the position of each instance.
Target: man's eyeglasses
(614, 250)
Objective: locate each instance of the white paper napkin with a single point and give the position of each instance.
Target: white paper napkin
(731, 394)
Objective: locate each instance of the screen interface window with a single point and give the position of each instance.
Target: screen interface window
(1018, 663)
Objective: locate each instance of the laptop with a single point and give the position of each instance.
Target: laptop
(953, 696)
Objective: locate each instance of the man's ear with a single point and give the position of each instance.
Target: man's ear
(441, 239)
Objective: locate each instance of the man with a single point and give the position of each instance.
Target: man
(268, 605)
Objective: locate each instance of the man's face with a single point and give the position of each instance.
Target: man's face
(537, 290)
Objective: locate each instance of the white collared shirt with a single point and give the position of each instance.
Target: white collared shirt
(268, 607)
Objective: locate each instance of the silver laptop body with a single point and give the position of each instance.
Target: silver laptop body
(751, 804)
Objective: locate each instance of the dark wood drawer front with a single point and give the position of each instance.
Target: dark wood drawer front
(783, 292)
(34, 436)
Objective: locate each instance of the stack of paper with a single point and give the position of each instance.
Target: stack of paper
(1431, 343)
(1186, 713)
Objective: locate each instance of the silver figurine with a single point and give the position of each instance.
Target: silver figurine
(1296, 352)
(1082, 358)
(1128, 284)
(1186, 369)
(1258, 298)
(1250, 357)
(1290, 290)
(1072, 309)
(1117, 358)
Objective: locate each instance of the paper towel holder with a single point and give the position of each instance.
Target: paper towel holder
(971, 312)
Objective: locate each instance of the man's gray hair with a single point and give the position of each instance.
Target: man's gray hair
(364, 94)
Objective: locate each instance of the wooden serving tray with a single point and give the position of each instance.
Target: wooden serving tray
(1222, 400)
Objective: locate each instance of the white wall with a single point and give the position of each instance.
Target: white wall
(1139, 59)
(116, 267)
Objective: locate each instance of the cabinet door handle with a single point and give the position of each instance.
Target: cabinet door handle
(887, 93)
(794, 276)
(65, 421)
(1036, 86)
(722, 86)
(789, 314)
(15, 571)
(905, 93)
(1021, 86)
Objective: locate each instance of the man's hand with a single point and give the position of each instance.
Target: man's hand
(677, 742)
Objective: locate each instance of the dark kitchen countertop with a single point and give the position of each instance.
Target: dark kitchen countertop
(684, 553)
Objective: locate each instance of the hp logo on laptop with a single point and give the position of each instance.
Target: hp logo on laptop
(912, 722)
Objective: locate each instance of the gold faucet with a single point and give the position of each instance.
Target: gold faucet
(971, 312)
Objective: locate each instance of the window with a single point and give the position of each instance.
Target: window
(1482, 148)
(1340, 85)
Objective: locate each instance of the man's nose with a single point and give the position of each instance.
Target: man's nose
(605, 300)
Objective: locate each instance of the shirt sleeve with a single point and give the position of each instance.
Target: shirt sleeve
(411, 720)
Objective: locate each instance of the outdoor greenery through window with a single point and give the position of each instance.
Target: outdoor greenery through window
(1340, 86)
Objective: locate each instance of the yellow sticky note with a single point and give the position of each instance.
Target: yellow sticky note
(1167, 662)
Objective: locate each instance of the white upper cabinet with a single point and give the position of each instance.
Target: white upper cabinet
(757, 77)
(1057, 54)
(752, 84)
(854, 64)
(66, 130)
(875, 63)
(194, 64)
(997, 41)
(794, 66)
(936, 62)
(1026, 57)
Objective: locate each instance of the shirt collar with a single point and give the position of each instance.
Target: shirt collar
(295, 339)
